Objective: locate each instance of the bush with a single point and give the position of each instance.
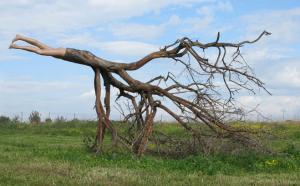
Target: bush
(4, 119)
(88, 142)
(60, 119)
(35, 117)
(16, 119)
(48, 120)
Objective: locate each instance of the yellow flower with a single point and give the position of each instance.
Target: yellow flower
(271, 162)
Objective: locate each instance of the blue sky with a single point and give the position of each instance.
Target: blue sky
(127, 30)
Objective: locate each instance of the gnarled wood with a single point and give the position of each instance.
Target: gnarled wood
(207, 105)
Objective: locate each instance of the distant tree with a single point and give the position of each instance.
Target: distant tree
(60, 119)
(75, 120)
(4, 119)
(48, 120)
(16, 119)
(35, 117)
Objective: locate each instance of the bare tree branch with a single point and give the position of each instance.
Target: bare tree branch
(201, 99)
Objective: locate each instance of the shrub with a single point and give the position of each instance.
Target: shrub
(16, 119)
(48, 120)
(35, 117)
(88, 142)
(4, 119)
(60, 119)
(75, 120)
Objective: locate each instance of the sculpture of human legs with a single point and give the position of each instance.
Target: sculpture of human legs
(38, 47)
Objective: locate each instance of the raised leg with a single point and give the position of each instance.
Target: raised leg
(38, 47)
(27, 48)
(30, 41)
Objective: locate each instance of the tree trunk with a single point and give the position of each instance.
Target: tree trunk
(140, 144)
(100, 129)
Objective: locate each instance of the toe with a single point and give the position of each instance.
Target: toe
(17, 37)
(12, 46)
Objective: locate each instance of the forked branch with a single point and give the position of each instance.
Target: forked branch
(199, 98)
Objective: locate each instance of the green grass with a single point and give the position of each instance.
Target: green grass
(56, 155)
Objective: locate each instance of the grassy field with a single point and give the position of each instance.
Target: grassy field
(55, 154)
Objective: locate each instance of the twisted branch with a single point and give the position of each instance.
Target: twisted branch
(198, 98)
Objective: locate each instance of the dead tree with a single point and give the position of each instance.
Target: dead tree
(198, 99)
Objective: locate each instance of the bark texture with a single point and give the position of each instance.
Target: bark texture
(198, 99)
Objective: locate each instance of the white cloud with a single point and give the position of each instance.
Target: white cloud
(144, 31)
(42, 19)
(87, 94)
(198, 24)
(275, 56)
(274, 105)
(74, 23)
(128, 48)
(284, 24)
(124, 48)
(288, 75)
(62, 16)
(5, 58)
(137, 31)
(27, 87)
(80, 39)
(137, 7)
(90, 94)
(224, 6)
(263, 51)
(128, 30)
(58, 97)
(205, 21)
(62, 19)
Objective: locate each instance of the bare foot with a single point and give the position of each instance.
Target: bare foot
(17, 37)
(12, 45)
